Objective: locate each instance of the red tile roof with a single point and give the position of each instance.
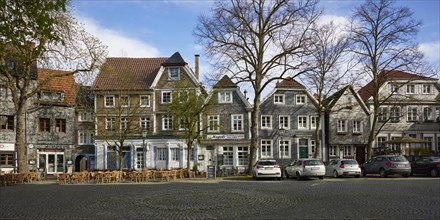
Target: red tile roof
(366, 92)
(63, 83)
(128, 73)
(290, 83)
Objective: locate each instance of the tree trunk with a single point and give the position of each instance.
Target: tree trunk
(188, 159)
(318, 138)
(20, 138)
(254, 135)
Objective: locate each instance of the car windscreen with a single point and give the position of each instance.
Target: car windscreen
(398, 159)
(434, 159)
(267, 163)
(349, 162)
(313, 162)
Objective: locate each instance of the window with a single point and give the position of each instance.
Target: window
(6, 159)
(278, 99)
(302, 122)
(380, 141)
(412, 113)
(213, 123)
(284, 121)
(393, 88)
(167, 97)
(383, 114)
(266, 122)
(225, 97)
(242, 153)
(437, 114)
(237, 122)
(125, 101)
(183, 123)
(174, 73)
(428, 143)
(3, 91)
(284, 148)
(426, 89)
(266, 148)
(85, 137)
(59, 96)
(44, 124)
(161, 153)
(313, 122)
(395, 114)
(139, 160)
(333, 150)
(167, 122)
(175, 154)
(110, 124)
(348, 151)
(342, 126)
(109, 101)
(145, 123)
(124, 124)
(300, 99)
(228, 156)
(144, 100)
(7, 122)
(85, 116)
(410, 89)
(60, 125)
(357, 127)
(183, 96)
(428, 114)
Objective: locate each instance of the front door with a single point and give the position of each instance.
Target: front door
(360, 154)
(303, 148)
(52, 162)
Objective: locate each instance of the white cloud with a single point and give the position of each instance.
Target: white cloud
(119, 45)
(431, 51)
(339, 21)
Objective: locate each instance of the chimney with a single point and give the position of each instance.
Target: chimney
(196, 67)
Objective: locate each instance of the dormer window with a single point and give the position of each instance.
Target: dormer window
(51, 96)
(410, 89)
(426, 89)
(278, 99)
(225, 97)
(174, 73)
(300, 99)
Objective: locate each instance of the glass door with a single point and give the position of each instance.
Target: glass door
(50, 163)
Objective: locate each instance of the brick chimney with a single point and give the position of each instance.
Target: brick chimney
(196, 66)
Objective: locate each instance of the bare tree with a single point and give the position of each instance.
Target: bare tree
(329, 66)
(42, 33)
(384, 41)
(258, 42)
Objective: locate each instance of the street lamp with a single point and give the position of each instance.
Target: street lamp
(281, 133)
(144, 135)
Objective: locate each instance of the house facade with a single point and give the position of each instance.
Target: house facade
(346, 126)
(411, 108)
(287, 123)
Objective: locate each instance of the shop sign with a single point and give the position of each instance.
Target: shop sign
(6, 147)
(224, 136)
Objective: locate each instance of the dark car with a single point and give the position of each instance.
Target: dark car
(427, 166)
(386, 165)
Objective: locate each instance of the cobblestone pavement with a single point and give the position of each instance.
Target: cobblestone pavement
(241, 198)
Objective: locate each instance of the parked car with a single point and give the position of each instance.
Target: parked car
(427, 165)
(343, 167)
(386, 165)
(302, 168)
(266, 169)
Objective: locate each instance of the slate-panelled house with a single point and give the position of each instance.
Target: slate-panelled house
(227, 137)
(346, 127)
(412, 109)
(134, 93)
(291, 108)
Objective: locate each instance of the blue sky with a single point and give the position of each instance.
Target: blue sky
(158, 28)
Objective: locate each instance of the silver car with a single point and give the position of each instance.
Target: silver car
(385, 165)
(266, 169)
(301, 168)
(343, 167)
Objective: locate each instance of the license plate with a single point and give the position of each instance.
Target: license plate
(315, 168)
(401, 165)
(268, 168)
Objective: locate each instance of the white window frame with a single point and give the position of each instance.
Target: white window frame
(411, 115)
(313, 122)
(228, 155)
(122, 101)
(383, 114)
(107, 104)
(175, 154)
(110, 123)
(225, 97)
(284, 143)
(342, 126)
(302, 101)
(380, 140)
(162, 96)
(282, 120)
(162, 153)
(333, 150)
(358, 127)
(85, 116)
(348, 151)
(266, 122)
(213, 123)
(410, 89)
(123, 124)
(395, 113)
(242, 152)
(167, 122)
(426, 89)
(431, 115)
(267, 148)
(141, 104)
(182, 124)
(85, 137)
(170, 71)
(277, 97)
(239, 120)
(394, 89)
(145, 122)
(301, 124)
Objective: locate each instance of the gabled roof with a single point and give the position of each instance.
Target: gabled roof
(175, 60)
(366, 92)
(289, 83)
(65, 83)
(119, 73)
(225, 82)
(331, 101)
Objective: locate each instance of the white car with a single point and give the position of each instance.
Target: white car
(343, 167)
(301, 168)
(266, 169)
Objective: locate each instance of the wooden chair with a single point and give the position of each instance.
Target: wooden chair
(62, 178)
(99, 177)
(75, 178)
(165, 175)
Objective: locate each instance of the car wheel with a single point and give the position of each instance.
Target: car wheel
(406, 175)
(286, 174)
(357, 176)
(382, 173)
(279, 178)
(363, 173)
(335, 174)
(298, 176)
(433, 173)
(321, 177)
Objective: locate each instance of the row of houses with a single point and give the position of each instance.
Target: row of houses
(67, 125)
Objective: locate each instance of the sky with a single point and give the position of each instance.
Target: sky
(159, 28)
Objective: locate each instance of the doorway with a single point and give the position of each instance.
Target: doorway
(81, 163)
(51, 161)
